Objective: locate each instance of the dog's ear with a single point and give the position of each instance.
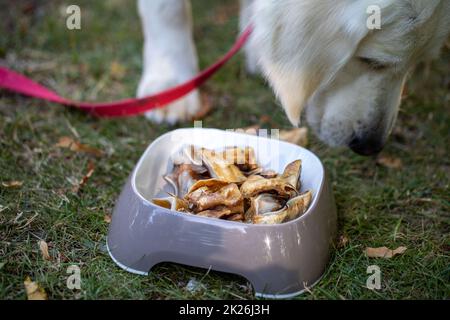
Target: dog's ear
(423, 10)
(431, 20)
(303, 44)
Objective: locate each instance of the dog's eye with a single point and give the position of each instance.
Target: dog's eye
(373, 64)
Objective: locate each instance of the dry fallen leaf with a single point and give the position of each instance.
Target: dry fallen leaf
(107, 218)
(405, 92)
(90, 171)
(298, 136)
(252, 130)
(34, 291)
(61, 258)
(389, 162)
(223, 13)
(69, 143)
(117, 70)
(44, 250)
(384, 252)
(343, 241)
(220, 18)
(12, 184)
(265, 118)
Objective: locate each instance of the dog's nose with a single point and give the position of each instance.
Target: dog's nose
(366, 146)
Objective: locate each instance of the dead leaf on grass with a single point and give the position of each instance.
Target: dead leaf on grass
(107, 218)
(389, 162)
(117, 70)
(343, 241)
(69, 143)
(383, 252)
(44, 250)
(84, 180)
(265, 118)
(34, 291)
(298, 136)
(405, 92)
(12, 184)
(252, 130)
(62, 258)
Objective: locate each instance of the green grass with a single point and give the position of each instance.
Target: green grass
(377, 206)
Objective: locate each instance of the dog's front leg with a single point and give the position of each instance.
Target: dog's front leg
(251, 53)
(170, 56)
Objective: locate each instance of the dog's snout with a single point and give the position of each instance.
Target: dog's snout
(366, 146)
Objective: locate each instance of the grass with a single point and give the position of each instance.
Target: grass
(377, 206)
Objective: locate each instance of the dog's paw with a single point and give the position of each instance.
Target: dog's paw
(182, 110)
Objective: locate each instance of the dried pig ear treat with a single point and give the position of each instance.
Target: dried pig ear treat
(214, 194)
(219, 167)
(293, 208)
(231, 185)
(184, 176)
(243, 158)
(172, 203)
(257, 184)
(291, 173)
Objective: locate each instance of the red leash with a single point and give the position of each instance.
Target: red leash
(18, 83)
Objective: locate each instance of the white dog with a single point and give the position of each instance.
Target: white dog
(317, 54)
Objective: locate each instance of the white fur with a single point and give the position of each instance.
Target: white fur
(310, 51)
(170, 57)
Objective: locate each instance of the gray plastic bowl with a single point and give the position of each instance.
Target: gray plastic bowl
(280, 261)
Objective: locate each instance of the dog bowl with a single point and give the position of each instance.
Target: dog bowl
(280, 260)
